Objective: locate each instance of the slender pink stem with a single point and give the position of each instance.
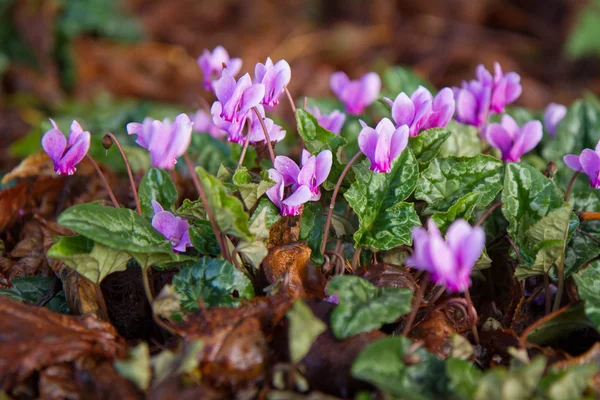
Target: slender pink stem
(128, 167)
(416, 305)
(332, 202)
(264, 128)
(487, 213)
(104, 181)
(203, 198)
(289, 96)
(472, 308)
(571, 182)
(244, 150)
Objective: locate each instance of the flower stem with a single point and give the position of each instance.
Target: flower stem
(571, 182)
(128, 167)
(264, 128)
(332, 202)
(104, 181)
(547, 294)
(244, 150)
(474, 325)
(289, 96)
(147, 287)
(209, 214)
(416, 305)
(487, 213)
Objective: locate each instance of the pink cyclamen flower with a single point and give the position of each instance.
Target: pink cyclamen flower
(274, 77)
(172, 227)
(587, 162)
(203, 123)
(237, 98)
(449, 261)
(422, 111)
(166, 141)
(304, 181)
(211, 65)
(356, 95)
(514, 141)
(66, 153)
(383, 144)
(553, 114)
(333, 122)
(477, 99)
(257, 134)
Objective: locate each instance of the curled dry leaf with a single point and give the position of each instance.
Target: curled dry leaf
(436, 333)
(300, 277)
(33, 338)
(235, 339)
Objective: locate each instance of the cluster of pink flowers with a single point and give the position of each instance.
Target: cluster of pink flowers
(239, 113)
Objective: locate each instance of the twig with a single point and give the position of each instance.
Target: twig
(332, 202)
(104, 181)
(586, 234)
(264, 128)
(515, 248)
(128, 167)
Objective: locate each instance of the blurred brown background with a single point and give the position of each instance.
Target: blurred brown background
(149, 49)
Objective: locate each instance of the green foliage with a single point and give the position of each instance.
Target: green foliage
(463, 141)
(428, 144)
(157, 185)
(563, 324)
(385, 221)
(92, 260)
(254, 251)
(30, 289)
(447, 180)
(584, 39)
(311, 229)
(215, 282)
(209, 153)
(463, 378)
(250, 191)
(136, 367)
(462, 208)
(304, 329)
(383, 363)
(547, 239)
(528, 196)
(588, 286)
(227, 210)
(316, 139)
(203, 238)
(120, 229)
(363, 307)
(396, 79)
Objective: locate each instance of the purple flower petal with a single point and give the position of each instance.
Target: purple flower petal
(300, 196)
(287, 168)
(403, 110)
(54, 144)
(399, 142)
(338, 82)
(74, 154)
(498, 138)
(324, 161)
(529, 136)
(553, 114)
(572, 162)
(367, 142)
(590, 162)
